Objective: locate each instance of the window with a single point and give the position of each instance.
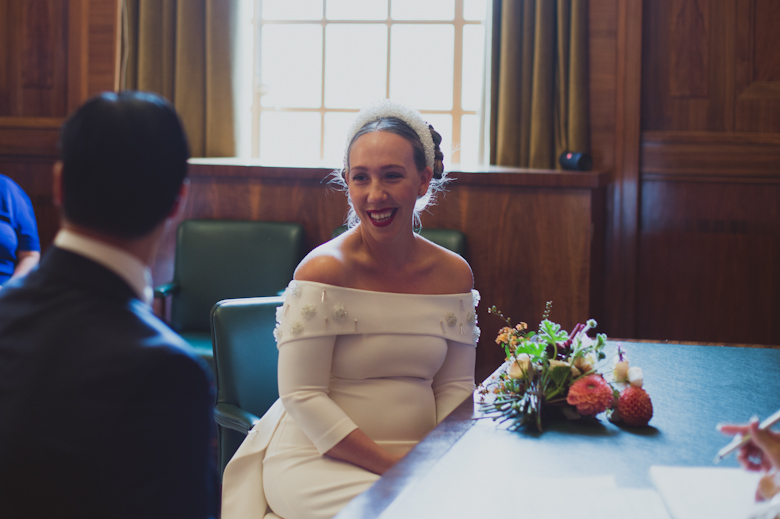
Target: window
(317, 62)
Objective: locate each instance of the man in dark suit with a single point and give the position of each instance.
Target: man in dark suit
(104, 412)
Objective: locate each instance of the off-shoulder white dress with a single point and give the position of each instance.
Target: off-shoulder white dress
(393, 365)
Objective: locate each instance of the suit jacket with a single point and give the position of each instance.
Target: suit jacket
(104, 412)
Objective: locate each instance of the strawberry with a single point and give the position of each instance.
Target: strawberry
(635, 406)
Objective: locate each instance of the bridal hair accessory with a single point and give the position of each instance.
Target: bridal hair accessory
(387, 108)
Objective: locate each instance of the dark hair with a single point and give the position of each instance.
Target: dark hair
(401, 128)
(124, 160)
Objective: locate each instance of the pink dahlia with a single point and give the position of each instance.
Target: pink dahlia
(590, 395)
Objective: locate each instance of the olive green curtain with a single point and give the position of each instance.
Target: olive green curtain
(539, 99)
(183, 50)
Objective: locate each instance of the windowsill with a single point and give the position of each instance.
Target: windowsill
(485, 175)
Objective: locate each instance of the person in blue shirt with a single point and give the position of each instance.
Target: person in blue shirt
(20, 248)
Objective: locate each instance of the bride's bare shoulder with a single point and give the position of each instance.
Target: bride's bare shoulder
(324, 264)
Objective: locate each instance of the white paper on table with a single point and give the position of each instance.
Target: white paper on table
(706, 492)
(544, 498)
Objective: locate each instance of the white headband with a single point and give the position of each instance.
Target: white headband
(387, 108)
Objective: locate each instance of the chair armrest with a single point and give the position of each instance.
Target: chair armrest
(232, 417)
(165, 290)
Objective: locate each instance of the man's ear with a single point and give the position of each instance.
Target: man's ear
(181, 199)
(56, 187)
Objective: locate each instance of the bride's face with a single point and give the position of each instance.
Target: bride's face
(384, 182)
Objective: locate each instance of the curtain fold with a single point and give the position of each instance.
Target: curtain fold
(183, 50)
(540, 106)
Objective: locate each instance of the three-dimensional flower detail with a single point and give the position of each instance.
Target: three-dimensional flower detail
(339, 312)
(294, 289)
(471, 317)
(308, 311)
(450, 319)
(296, 328)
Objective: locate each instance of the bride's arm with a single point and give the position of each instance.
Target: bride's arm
(455, 379)
(357, 448)
(304, 374)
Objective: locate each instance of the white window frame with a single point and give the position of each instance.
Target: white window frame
(457, 111)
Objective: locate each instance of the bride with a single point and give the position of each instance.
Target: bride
(376, 336)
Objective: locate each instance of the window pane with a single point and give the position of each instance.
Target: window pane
(297, 10)
(292, 65)
(421, 65)
(336, 126)
(474, 9)
(355, 64)
(360, 10)
(473, 60)
(469, 140)
(422, 9)
(289, 137)
(442, 123)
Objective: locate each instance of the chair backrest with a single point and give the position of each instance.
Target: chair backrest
(224, 259)
(245, 359)
(451, 239)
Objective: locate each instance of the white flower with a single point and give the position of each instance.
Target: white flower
(308, 311)
(279, 313)
(519, 366)
(339, 312)
(635, 377)
(471, 317)
(296, 328)
(585, 364)
(475, 297)
(620, 373)
(554, 363)
(450, 319)
(278, 332)
(476, 333)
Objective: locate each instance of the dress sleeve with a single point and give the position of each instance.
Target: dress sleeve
(455, 379)
(26, 227)
(304, 373)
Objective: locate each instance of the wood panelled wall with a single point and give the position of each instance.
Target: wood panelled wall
(532, 236)
(54, 54)
(709, 233)
(685, 117)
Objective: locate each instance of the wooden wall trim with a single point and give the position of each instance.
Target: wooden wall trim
(78, 52)
(492, 176)
(711, 157)
(624, 218)
(31, 138)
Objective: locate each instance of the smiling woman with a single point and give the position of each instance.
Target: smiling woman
(376, 336)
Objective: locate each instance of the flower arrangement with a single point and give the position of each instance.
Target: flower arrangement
(550, 367)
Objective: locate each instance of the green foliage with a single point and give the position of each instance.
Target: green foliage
(551, 332)
(520, 400)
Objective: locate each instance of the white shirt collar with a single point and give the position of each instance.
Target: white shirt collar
(131, 269)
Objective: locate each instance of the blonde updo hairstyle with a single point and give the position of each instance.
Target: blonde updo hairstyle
(387, 116)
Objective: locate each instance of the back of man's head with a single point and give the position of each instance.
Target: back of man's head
(124, 160)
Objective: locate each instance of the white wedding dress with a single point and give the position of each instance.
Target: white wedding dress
(393, 365)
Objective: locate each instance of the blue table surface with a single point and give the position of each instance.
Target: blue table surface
(692, 387)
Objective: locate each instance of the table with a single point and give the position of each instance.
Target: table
(693, 387)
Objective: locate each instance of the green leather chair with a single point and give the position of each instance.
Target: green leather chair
(451, 239)
(245, 358)
(223, 259)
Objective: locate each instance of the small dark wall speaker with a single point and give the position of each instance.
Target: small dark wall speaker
(575, 161)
